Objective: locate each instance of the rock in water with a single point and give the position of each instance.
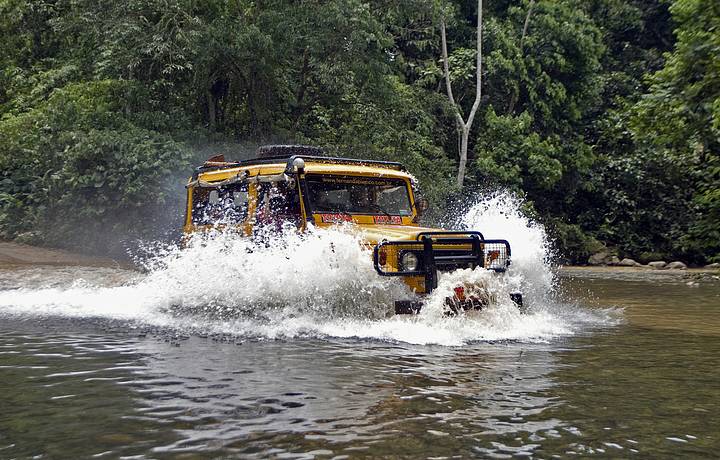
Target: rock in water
(658, 264)
(715, 266)
(613, 260)
(629, 263)
(598, 259)
(677, 265)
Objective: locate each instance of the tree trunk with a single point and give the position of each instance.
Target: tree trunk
(527, 22)
(464, 136)
(463, 126)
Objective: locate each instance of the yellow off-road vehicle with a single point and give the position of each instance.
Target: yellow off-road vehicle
(299, 185)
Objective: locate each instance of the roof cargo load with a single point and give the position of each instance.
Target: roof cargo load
(274, 151)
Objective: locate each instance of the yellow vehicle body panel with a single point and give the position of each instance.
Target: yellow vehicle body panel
(354, 170)
(370, 230)
(310, 168)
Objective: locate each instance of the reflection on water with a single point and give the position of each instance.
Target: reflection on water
(82, 387)
(650, 390)
(128, 395)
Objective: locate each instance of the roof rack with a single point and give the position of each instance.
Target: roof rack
(213, 166)
(267, 151)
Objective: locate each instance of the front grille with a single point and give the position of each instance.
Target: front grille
(444, 251)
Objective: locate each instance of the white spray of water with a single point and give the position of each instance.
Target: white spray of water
(500, 217)
(320, 284)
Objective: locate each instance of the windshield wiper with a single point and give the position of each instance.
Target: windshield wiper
(379, 208)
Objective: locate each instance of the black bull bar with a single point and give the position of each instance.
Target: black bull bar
(445, 251)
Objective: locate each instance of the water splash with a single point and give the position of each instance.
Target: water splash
(319, 284)
(500, 216)
(283, 276)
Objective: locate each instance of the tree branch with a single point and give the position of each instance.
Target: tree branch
(463, 126)
(527, 21)
(478, 85)
(446, 69)
(515, 95)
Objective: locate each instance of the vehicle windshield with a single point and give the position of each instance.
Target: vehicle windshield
(359, 195)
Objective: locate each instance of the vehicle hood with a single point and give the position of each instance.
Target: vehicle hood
(373, 234)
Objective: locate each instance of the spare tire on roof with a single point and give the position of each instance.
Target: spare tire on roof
(268, 151)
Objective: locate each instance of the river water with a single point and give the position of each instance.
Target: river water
(288, 352)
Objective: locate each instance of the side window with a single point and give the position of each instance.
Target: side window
(278, 203)
(222, 205)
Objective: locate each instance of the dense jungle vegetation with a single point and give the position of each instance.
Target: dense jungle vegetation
(603, 114)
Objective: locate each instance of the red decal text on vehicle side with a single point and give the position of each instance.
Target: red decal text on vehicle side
(335, 218)
(393, 220)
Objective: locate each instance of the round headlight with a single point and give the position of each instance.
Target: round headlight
(409, 261)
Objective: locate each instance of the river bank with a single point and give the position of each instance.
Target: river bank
(18, 254)
(12, 253)
(643, 272)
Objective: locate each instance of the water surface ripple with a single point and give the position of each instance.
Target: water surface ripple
(232, 349)
(84, 387)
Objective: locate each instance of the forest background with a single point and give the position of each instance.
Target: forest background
(604, 115)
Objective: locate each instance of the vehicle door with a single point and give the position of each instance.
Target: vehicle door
(277, 205)
(220, 206)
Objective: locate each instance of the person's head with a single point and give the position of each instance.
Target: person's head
(362, 196)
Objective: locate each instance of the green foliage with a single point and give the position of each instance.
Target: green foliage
(680, 117)
(399, 128)
(511, 153)
(576, 245)
(77, 173)
(608, 138)
(645, 203)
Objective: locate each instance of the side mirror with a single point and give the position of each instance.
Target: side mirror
(421, 205)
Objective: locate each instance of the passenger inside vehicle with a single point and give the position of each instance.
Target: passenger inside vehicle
(365, 199)
(278, 204)
(221, 205)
